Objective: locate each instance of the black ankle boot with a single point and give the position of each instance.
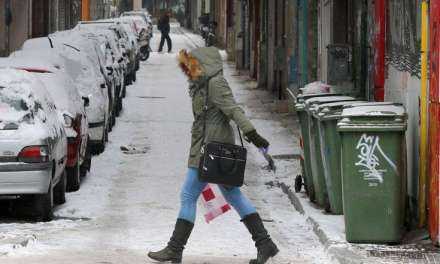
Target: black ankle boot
(265, 246)
(173, 251)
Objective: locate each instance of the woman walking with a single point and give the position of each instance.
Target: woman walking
(204, 68)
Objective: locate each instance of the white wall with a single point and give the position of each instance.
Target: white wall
(401, 87)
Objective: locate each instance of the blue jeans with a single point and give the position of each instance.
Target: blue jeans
(192, 188)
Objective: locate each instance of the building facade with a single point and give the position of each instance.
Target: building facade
(24, 19)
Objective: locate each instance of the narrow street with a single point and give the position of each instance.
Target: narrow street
(128, 204)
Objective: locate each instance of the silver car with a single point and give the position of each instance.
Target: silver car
(33, 144)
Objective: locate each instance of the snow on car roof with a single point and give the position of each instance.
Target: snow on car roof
(37, 43)
(41, 61)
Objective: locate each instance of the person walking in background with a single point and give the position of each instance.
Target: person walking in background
(164, 28)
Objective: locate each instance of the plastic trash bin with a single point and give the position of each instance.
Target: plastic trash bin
(317, 170)
(305, 145)
(328, 116)
(373, 175)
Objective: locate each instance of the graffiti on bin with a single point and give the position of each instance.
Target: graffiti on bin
(369, 159)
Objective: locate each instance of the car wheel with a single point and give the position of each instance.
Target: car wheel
(124, 91)
(43, 205)
(105, 137)
(60, 190)
(73, 177)
(113, 120)
(87, 164)
(127, 80)
(99, 149)
(145, 55)
(119, 106)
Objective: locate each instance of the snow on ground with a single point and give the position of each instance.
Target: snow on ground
(129, 202)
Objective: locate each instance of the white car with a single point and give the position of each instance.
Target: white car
(50, 67)
(33, 144)
(128, 49)
(90, 83)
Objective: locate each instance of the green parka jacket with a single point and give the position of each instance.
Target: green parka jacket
(222, 107)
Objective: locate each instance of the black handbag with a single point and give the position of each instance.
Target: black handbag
(222, 163)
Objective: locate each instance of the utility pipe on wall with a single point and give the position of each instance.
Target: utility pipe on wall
(85, 10)
(379, 57)
(423, 159)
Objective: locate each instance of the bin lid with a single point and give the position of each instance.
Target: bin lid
(373, 117)
(331, 111)
(301, 98)
(312, 103)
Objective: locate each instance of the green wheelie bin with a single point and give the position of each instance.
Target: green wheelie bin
(305, 145)
(328, 116)
(373, 175)
(317, 170)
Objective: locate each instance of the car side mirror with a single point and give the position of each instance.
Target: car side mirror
(86, 101)
(109, 70)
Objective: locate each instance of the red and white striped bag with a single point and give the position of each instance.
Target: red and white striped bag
(214, 202)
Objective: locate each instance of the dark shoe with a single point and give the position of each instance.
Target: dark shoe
(264, 244)
(173, 252)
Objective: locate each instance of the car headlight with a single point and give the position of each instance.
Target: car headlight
(68, 120)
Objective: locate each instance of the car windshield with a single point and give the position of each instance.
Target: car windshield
(13, 104)
(12, 108)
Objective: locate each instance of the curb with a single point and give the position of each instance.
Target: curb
(339, 252)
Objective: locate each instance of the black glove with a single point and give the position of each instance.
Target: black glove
(254, 138)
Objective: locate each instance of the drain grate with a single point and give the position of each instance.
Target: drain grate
(287, 157)
(71, 218)
(151, 97)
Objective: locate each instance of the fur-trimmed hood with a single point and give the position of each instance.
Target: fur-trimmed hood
(201, 64)
(209, 59)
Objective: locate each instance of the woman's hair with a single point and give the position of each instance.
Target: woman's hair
(189, 65)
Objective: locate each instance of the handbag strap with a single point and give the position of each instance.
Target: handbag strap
(205, 113)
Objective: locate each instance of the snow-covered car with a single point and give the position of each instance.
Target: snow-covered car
(113, 65)
(146, 17)
(50, 68)
(128, 49)
(115, 71)
(144, 34)
(130, 28)
(33, 144)
(89, 82)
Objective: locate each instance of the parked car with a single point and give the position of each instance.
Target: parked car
(144, 35)
(131, 29)
(127, 48)
(114, 69)
(89, 81)
(115, 64)
(142, 14)
(50, 68)
(33, 144)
